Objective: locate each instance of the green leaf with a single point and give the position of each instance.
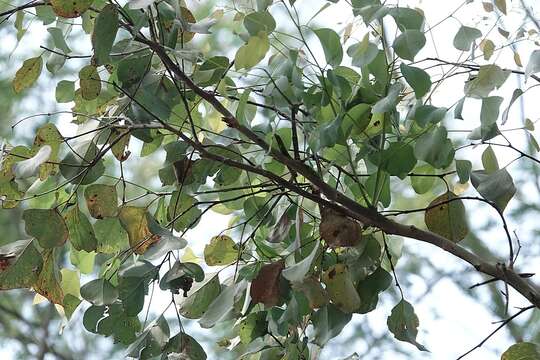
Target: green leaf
(105, 30)
(428, 114)
(489, 160)
(182, 211)
(20, 263)
(101, 200)
(422, 184)
(298, 271)
(407, 18)
(151, 341)
(417, 78)
(409, 43)
(45, 14)
(497, 187)
(47, 226)
(259, 21)
(397, 160)
(111, 236)
(65, 91)
(202, 295)
(253, 52)
(370, 288)
(522, 351)
(73, 167)
(111, 320)
(221, 251)
(174, 276)
(81, 232)
(533, 66)
(58, 39)
(435, 148)
(184, 345)
(489, 78)
(446, 217)
(463, 169)
(515, 95)
(82, 260)
(313, 291)
(341, 289)
(27, 75)
(465, 37)
(390, 101)
(222, 305)
(490, 110)
(48, 281)
(133, 285)
(99, 292)
(90, 82)
(328, 323)
(70, 8)
(487, 47)
(363, 53)
(331, 44)
(253, 327)
(403, 323)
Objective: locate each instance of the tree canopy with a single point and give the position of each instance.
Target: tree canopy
(305, 136)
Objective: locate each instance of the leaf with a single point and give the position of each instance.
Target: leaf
(111, 236)
(298, 271)
(111, 320)
(489, 112)
(185, 346)
(134, 220)
(30, 167)
(409, 43)
(331, 44)
(522, 351)
(515, 95)
(253, 52)
(47, 226)
(338, 230)
(363, 53)
(48, 281)
(533, 66)
(465, 37)
(341, 289)
(222, 305)
(174, 279)
(407, 18)
(258, 21)
(489, 78)
(313, 291)
(265, 287)
(463, 169)
(328, 322)
(221, 251)
(390, 101)
(65, 91)
(105, 29)
(58, 39)
(28, 73)
(370, 288)
(446, 217)
(133, 283)
(70, 8)
(417, 78)
(501, 5)
(151, 341)
(20, 264)
(428, 114)
(140, 4)
(90, 82)
(101, 200)
(489, 160)
(487, 47)
(435, 148)
(253, 327)
(403, 323)
(73, 167)
(99, 292)
(422, 184)
(202, 295)
(497, 187)
(81, 232)
(182, 211)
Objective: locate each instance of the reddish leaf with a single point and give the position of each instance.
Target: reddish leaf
(265, 287)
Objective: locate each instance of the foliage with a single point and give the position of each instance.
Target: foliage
(300, 140)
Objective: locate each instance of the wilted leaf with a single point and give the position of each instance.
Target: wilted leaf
(403, 323)
(101, 200)
(222, 250)
(70, 8)
(338, 230)
(340, 288)
(20, 265)
(48, 281)
(522, 351)
(90, 82)
(134, 220)
(27, 75)
(265, 287)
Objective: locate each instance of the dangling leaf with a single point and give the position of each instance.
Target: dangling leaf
(47, 226)
(81, 232)
(48, 281)
(341, 288)
(522, 351)
(446, 217)
(27, 75)
(101, 200)
(222, 250)
(134, 220)
(105, 30)
(338, 230)
(403, 323)
(265, 287)
(90, 82)
(20, 265)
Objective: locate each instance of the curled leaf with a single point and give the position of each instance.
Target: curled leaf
(338, 230)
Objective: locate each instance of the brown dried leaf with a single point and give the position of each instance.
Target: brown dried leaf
(338, 230)
(265, 287)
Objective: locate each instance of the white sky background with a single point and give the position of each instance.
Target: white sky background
(450, 323)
